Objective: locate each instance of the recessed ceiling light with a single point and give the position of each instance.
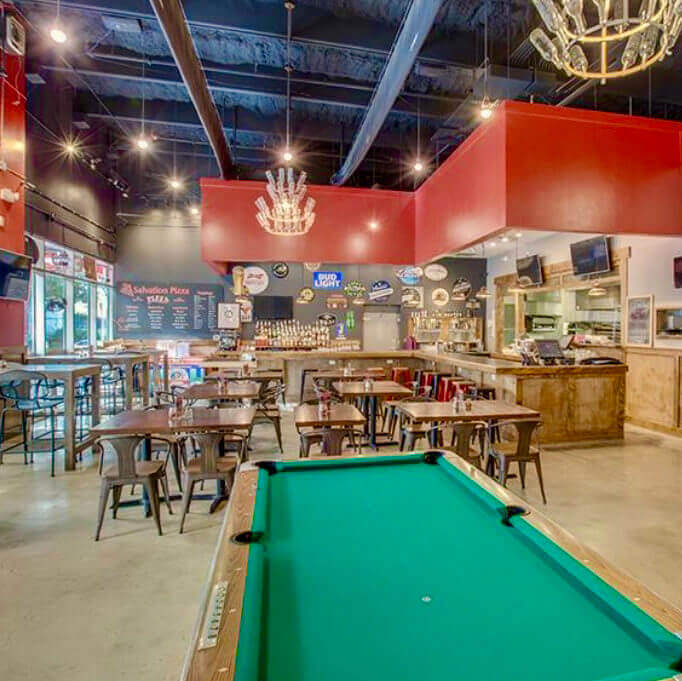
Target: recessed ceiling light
(518, 235)
(504, 239)
(194, 210)
(492, 244)
(373, 225)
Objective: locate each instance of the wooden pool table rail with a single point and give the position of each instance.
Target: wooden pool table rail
(229, 563)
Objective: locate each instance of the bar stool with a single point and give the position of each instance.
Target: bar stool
(400, 375)
(451, 385)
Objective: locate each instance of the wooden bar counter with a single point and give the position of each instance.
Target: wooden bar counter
(583, 403)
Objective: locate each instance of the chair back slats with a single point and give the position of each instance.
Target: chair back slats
(22, 385)
(209, 450)
(125, 448)
(464, 431)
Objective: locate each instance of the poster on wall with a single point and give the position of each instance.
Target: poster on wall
(153, 310)
(228, 315)
(245, 309)
(639, 320)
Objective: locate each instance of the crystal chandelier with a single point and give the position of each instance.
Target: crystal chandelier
(288, 216)
(618, 42)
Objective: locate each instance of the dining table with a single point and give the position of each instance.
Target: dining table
(149, 423)
(337, 415)
(471, 410)
(373, 390)
(126, 360)
(69, 375)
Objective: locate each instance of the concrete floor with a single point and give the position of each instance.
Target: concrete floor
(72, 609)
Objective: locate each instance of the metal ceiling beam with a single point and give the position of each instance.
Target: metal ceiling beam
(182, 115)
(411, 37)
(172, 18)
(263, 74)
(400, 107)
(256, 19)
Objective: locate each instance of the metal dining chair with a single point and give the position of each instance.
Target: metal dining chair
(28, 392)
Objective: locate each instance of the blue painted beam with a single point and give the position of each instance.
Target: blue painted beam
(411, 37)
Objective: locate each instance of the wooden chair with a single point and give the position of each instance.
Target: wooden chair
(267, 410)
(464, 435)
(523, 449)
(411, 433)
(331, 441)
(128, 471)
(209, 465)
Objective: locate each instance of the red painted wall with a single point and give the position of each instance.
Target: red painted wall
(464, 200)
(586, 171)
(12, 151)
(341, 233)
(530, 167)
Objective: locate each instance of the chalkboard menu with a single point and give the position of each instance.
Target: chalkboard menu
(149, 310)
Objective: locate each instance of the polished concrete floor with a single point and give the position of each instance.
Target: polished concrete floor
(124, 608)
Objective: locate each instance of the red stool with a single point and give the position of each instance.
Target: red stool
(440, 383)
(426, 379)
(453, 384)
(400, 375)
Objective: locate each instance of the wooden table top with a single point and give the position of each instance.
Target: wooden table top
(57, 370)
(354, 374)
(378, 389)
(236, 390)
(265, 375)
(95, 357)
(481, 410)
(156, 421)
(307, 415)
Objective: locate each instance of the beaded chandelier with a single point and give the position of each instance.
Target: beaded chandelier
(621, 39)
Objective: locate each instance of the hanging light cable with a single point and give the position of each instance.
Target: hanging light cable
(288, 215)
(57, 32)
(486, 105)
(142, 142)
(418, 165)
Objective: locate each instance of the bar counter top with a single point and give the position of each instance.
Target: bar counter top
(487, 365)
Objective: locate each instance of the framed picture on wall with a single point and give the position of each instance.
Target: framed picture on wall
(228, 316)
(640, 321)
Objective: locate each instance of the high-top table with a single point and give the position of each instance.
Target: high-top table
(127, 360)
(157, 422)
(387, 390)
(69, 374)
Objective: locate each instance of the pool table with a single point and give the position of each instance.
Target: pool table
(414, 567)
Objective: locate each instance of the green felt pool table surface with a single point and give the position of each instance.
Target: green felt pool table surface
(395, 568)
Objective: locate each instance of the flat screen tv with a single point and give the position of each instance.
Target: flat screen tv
(529, 270)
(273, 307)
(15, 275)
(678, 272)
(591, 256)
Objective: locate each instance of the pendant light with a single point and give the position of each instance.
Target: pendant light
(487, 106)
(596, 290)
(418, 166)
(57, 32)
(142, 142)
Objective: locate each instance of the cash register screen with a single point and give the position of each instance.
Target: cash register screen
(549, 349)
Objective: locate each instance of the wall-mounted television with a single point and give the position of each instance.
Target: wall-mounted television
(273, 307)
(15, 275)
(678, 271)
(529, 270)
(591, 256)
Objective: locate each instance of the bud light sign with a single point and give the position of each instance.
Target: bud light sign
(327, 281)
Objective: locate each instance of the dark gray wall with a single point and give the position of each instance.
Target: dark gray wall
(71, 204)
(171, 253)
